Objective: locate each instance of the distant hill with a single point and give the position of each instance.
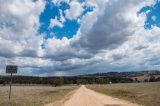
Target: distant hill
(98, 78)
(139, 76)
(126, 74)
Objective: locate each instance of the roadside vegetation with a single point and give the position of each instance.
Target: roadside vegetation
(147, 94)
(59, 81)
(99, 78)
(33, 95)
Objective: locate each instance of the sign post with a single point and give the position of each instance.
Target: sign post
(11, 69)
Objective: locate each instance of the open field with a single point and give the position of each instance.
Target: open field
(144, 77)
(33, 95)
(147, 94)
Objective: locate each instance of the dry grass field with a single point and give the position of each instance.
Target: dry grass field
(147, 94)
(33, 95)
(144, 77)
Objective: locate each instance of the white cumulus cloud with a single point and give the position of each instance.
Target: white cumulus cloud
(75, 10)
(55, 22)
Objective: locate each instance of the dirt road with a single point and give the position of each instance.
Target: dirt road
(86, 97)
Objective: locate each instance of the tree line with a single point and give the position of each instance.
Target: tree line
(58, 81)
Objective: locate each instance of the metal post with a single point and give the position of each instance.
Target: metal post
(10, 87)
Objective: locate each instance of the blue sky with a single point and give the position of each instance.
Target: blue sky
(72, 37)
(152, 16)
(70, 27)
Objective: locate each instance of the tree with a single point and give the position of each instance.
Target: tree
(81, 81)
(152, 79)
(58, 82)
(61, 81)
(145, 80)
(101, 80)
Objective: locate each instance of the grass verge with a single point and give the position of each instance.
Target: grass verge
(147, 94)
(33, 95)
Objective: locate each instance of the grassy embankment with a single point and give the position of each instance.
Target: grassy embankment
(147, 94)
(33, 95)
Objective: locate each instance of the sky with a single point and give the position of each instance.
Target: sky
(75, 37)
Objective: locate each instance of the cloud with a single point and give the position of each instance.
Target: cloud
(112, 27)
(75, 10)
(19, 21)
(62, 18)
(60, 50)
(57, 2)
(55, 22)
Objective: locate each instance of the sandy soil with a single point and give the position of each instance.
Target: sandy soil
(86, 97)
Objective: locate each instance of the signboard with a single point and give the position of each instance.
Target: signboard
(11, 69)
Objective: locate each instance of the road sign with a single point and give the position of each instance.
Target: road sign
(11, 69)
